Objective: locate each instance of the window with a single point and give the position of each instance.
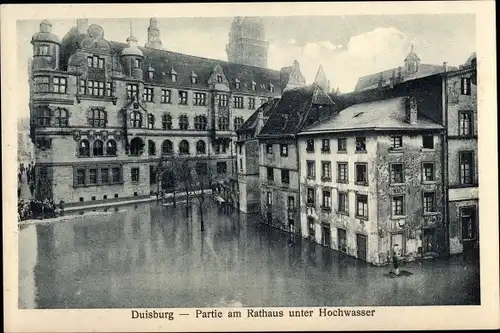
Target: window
(428, 142)
(270, 174)
(326, 170)
(251, 103)
(311, 169)
(166, 121)
(285, 176)
(111, 147)
(43, 114)
(342, 175)
(43, 50)
(343, 203)
(342, 240)
(183, 97)
(200, 123)
(59, 85)
(222, 100)
(201, 168)
(237, 84)
(183, 122)
(201, 147)
(194, 78)
(223, 123)
(219, 78)
(84, 148)
(116, 175)
(468, 219)
(428, 171)
(200, 99)
(311, 196)
(238, 102)
(466, 160)
(184, 147)
(151, 148)
(109, 89)
(41, 83)
(312, 227)
(310, 146)
(151, 74)
(95, 62)
(134, 174)
(362, 206)
(61, 117)
(325, 145)
(397, 173)
(360, 144)
(269, 148)
(95, 88)
(173, 76)
(397, 142)
(398, 205)
(148, 94)
(221, 167)
(271, 88)
(238, 121)
(136, 146)
(327, 200)
(132, 90)
(167, 147)
(220, 147)
(254, 85)
(241, 164)
(465, 86)
(465, 123)
(269, 198)
(81, 87)
(92, 176)
(165, 96)
(80, 176)
(137, 63)
(284, 150)
(98, 148)
(361, 174)
(136, 119)
(152, 175)
(151, 121)
(429, 202)
(104, 175)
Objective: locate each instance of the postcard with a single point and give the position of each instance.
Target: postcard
(237, 166)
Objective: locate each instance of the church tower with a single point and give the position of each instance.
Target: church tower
(412, 62)
(154, 40)
(247, 44)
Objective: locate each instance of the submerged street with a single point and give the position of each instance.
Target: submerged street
(149, 255)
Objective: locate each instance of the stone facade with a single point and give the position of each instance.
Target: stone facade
(104, 114)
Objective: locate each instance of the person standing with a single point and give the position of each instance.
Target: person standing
(395, 259)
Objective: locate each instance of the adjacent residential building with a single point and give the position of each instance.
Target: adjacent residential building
(370, 178)
(106, 115)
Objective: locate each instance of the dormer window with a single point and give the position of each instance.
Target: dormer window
(271, 87)
(254, 85)
(174, 77)
(237, 84)
(95, 62)
(43, 50)
(151, 73)
(219, 78)
(137, 63)
(194, 78)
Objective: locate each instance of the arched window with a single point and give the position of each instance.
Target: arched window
(184, 147)
(200, 147)
(166, 121)
(84, 148)
(167, 147)
(111, 147)
(61, 117)
(151, 148)
(136, 119)
(183, 122)
(151, 121)
(98, 148)
(136, 146)
(200, 123)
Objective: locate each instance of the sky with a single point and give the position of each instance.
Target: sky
(347, 46)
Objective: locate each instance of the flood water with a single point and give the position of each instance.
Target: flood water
(150, 255)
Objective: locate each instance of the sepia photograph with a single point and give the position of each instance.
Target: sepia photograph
(283, 166)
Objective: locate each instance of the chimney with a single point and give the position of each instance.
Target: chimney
(82, 25)
(411, 110)
(445, 66)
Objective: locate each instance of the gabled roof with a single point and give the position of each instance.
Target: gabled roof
(371, 81)
(388, 114)
(293, 111)
(251, 123)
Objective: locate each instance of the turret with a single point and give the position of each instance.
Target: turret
(154, 40)
(132, 58)
(45, 48)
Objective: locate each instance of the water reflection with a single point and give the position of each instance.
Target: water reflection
(155, 256)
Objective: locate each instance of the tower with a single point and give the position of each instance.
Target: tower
(412, 62)
(132, 58)
(154, 40)
(247, 44)
(45, 48)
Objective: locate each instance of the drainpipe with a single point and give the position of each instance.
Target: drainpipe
(444, 165)
(298, 204)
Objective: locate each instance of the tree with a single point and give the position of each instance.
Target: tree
(196, 182)
(168, 174)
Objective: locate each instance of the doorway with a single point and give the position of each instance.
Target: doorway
(361, 246)
(325, 235)
(398, 239)
(341, 240)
